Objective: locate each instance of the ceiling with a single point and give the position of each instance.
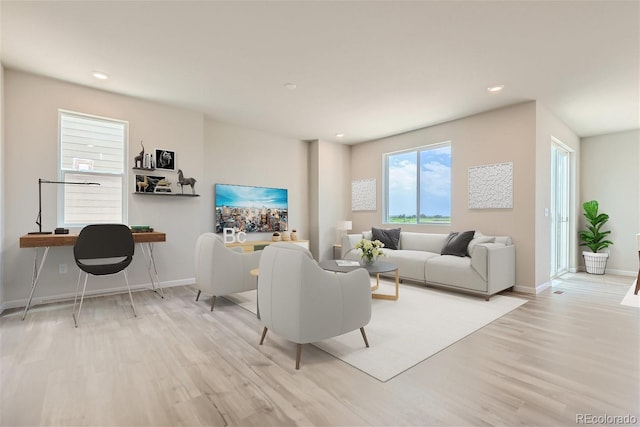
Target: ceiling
(365, 69)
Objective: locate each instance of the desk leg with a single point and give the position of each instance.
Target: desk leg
(151, 265)
(389, 297)
(36, 275)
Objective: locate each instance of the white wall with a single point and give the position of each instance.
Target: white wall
(499, 136)
(241, 156)
(610, 174)
(31, 147)
(208, 150)
(330, 192)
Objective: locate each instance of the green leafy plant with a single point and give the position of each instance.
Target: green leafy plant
(593, 237)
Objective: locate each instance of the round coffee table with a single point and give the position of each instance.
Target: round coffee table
(376, 268)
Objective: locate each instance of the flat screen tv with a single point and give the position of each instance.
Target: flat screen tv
(251, 209)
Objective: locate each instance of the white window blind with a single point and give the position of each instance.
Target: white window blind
(92, 149)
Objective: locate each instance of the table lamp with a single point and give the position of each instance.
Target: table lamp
(46, 181)
(342, 227)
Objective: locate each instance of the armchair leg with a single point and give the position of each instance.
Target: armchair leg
(264, 334)
(213, 302)
(198, 296)
(364, 336)
(298, 354)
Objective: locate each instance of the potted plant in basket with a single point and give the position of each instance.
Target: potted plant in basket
(594, 238)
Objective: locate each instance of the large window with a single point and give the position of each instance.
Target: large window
(92, 149)
(418, 185)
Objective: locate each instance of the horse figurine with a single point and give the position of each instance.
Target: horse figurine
(186, 181)
(142, 185)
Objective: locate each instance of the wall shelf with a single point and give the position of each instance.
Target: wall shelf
(165, 194)
(144, 169)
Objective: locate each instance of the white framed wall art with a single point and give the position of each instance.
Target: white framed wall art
(491, 186)
(363, 195)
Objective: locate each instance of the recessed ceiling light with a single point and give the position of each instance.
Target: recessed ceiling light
(339, 135)
(290, 86)
(495, 89)
(100, 75)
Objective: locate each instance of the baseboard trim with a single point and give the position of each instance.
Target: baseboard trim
(621, 272)
(530, 290)
(613, 271)
(48, 299)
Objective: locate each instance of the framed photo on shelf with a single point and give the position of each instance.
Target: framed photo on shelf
(165, 159)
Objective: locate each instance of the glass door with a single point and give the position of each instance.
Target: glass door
(560, 191)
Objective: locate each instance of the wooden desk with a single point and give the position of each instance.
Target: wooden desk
(47, 241)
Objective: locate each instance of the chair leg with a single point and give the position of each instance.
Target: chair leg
(77, 289)
(213, 302)
(76, 319)
(298, 354)
(264, 334)
(198, 296)
(364, 336)
(126, 279)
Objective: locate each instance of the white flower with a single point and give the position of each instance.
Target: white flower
(370, 249)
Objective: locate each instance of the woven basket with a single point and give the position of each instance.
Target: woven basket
(595, 262)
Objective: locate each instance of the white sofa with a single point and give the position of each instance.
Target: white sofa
(489, 268)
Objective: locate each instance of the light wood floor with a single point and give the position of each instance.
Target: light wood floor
(561, 354)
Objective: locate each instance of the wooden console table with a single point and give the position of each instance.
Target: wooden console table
(47, 241)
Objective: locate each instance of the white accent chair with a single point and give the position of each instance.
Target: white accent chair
(303, 303)
(221, 270)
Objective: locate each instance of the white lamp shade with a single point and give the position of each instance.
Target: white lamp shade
(344, 225)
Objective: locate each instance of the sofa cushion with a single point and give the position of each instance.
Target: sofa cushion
(388, 236)
(478, 238)
(505, 240)
(457, 243)
(411, 264)
(422, 241)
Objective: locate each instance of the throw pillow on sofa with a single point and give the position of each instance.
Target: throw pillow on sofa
(477, 239)
(389, 236)
(457, 243)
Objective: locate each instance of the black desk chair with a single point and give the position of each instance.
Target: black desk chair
(102, 249)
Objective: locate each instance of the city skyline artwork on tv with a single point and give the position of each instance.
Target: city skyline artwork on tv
(251, 209)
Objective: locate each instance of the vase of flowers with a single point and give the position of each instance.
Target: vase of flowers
(371, 250)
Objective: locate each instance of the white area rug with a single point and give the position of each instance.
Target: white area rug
(403, 333)
(631, 299)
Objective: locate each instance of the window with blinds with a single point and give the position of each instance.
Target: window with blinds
(92, 149)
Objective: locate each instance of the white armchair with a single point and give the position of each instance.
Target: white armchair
(222, 271)
(303, 303)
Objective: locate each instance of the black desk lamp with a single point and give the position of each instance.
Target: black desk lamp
(46, 181)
